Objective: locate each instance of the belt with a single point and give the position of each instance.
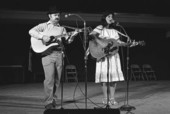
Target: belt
(57, 49)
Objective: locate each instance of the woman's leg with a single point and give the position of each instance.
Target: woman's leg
(106, 93)
(112, 89)
(104, 89)
(112, 93)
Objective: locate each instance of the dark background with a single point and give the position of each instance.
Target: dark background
(15, 40)
(155, 7)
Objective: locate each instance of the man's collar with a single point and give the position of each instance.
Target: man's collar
(49, 22)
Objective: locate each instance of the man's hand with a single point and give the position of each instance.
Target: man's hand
(46, 38)
(72, 36)
(75, 32)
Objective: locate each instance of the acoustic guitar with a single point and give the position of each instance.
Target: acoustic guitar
(99, 48)
(39, 46)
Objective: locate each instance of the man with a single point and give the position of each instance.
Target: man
(52, 58)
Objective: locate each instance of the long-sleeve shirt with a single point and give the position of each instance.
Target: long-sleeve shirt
(47, 29)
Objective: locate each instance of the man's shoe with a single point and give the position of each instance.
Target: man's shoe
(54, 104)
(49, 106)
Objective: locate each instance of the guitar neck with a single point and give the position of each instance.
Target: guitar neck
(62, 35)
(59, 36)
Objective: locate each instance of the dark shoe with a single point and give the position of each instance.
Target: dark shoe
(49, 106)
(54, 104)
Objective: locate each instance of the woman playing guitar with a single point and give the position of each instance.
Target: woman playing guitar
(104, 48)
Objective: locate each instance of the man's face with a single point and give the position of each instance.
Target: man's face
(55, 17)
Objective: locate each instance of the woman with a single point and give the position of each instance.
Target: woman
(111, 62)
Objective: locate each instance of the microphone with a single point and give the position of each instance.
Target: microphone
(115, 22)
(67, 15)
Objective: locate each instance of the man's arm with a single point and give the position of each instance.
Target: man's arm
(37, 32)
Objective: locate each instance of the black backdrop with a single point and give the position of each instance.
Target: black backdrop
(15, 45)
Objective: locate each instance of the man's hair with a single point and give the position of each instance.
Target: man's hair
(53, 9)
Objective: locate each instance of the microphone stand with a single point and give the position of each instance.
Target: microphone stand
(108, 85)
(85, 59)
(106, 51)
(127, 107)
(85, 56)
(62, 73)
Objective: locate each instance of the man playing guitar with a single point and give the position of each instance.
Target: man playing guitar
(46, 38)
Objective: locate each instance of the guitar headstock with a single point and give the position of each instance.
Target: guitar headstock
(134, 43)
(142, 43)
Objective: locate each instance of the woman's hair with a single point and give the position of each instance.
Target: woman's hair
(103, 19)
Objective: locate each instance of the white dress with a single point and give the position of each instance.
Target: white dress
(115, 71)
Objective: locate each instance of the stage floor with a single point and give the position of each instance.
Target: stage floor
(148, 97)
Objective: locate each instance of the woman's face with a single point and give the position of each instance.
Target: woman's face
(109, 19)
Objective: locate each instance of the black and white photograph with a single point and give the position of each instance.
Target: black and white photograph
(85, 56)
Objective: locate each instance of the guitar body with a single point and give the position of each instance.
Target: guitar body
(96, 50)
(38, 46)
(98, 47)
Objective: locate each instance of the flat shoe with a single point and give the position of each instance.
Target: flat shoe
(105, 101)
(113, 102)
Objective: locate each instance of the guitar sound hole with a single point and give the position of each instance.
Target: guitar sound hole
(52, 40)
(112, 49)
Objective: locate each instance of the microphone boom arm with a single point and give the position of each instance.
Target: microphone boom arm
(125, 35)
(85, 57)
